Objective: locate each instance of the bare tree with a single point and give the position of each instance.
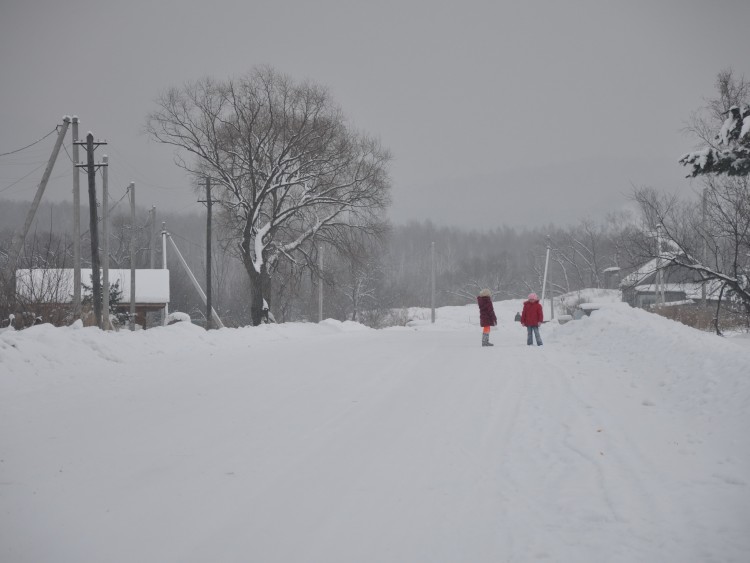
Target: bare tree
(285, 162)
(724, 234)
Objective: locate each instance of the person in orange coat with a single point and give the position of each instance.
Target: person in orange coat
(531, 317)
(487, 316)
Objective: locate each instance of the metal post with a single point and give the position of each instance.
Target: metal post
(320, 284)
(76, 224)
(432, 282)
(209, 307)
(132, 255)
(105, 224)
(164, 266)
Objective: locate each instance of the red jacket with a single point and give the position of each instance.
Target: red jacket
(532, 314)
(486, 312)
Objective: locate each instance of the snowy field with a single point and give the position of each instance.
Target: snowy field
(623, 439)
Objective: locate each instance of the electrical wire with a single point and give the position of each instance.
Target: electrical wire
(6, 188)
(31, 145)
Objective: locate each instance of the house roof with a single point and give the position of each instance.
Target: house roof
(643, 271)
(692, 290)
(55, 285)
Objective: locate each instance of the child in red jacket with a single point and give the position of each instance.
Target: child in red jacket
(531, 317)
(487, 316)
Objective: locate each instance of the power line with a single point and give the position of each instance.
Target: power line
(31, 145)
(6, 188)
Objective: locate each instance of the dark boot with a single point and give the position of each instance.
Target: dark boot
(486, 340)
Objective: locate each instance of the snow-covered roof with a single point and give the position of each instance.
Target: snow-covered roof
(56, 285)
(647, 269)
(643, 271)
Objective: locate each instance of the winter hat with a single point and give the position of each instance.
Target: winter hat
(533, 297)
(485, 293)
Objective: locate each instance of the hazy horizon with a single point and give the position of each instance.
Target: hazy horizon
(496, 114)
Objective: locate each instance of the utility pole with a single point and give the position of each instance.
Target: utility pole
(432, 281)
(19, 241)
(320, 284)
(705, 242)
(659, 275)
(105, 224)
(132, 255)
(208, 254)
(76, 224)
(164, 266)
(152, 240)
(93, 223)
(544, 279)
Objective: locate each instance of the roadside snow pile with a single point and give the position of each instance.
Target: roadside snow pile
(686, 365)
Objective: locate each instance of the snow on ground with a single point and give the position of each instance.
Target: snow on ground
(622, 439)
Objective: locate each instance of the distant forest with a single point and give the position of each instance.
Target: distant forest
(369, 282)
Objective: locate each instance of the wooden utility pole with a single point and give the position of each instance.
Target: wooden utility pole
(76, 224)
(105, 225)
(132, 255)
(94, 231)
(432, 282)
(164, 234)
(93, 222)
(18, 241)
(208, 255)
(152, 240)
(705, 241)
(659, 272)
(544, 279)
(320, 285)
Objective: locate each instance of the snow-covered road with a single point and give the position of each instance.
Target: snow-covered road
(301, 443)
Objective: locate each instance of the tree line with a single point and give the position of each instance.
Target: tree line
(302, 199)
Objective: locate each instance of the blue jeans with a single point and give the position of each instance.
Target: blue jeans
(535, 331)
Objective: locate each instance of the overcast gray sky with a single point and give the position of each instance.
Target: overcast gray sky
(496, 112)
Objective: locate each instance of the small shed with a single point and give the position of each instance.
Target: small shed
(49, 288)
(611, 277)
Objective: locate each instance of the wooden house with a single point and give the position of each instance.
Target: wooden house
(49, 292)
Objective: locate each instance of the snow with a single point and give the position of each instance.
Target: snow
(622, 439)
(727, 127)
(55, 285)
(177, 317)
(745, 127)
